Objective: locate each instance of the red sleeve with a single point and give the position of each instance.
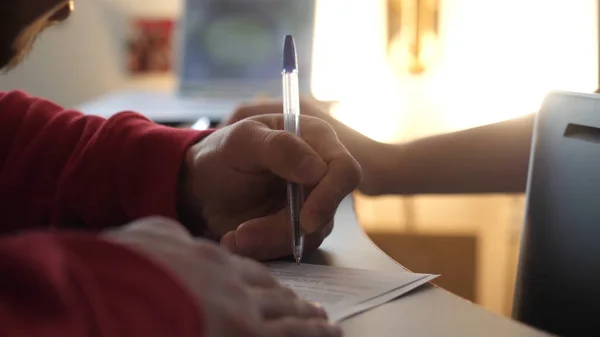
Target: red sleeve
(69, 285)
(66, 169)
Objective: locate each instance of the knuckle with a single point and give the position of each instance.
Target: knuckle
(242, 128)
(238, 134)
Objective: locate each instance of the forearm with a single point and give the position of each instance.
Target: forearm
(488, 159)
(62, 168)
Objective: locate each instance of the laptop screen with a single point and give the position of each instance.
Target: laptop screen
(233, 44)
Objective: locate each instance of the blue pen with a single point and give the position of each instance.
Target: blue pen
(291, 118)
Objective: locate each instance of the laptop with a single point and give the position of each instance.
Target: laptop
(558, 282)
(230, 52)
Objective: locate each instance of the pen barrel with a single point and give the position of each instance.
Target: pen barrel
(291, 119)
(291, 102)
(295, 194)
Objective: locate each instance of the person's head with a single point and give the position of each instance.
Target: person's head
(22, 20)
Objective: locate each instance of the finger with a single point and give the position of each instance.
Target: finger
(254, 273)
(342, 177)
(270, 237)
(259, 145)
(294, 327)
(283, 302)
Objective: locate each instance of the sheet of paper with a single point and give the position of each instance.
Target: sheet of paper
(344, 292)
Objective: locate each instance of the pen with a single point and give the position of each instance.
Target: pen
(291, 122)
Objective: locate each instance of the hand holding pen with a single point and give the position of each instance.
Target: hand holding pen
(258, 223)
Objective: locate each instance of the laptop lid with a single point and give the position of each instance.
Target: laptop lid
(558, 282)
(234, 47)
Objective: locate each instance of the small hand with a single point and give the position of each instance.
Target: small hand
(236, 177)
(238, 296)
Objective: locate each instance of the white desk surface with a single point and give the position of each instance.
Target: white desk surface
(160, 106)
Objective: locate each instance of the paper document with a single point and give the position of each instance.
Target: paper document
(344, 292)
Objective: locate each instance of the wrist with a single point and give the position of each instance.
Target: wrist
(375, 167)
(188, 210)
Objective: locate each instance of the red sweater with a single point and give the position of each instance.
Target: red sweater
(61, 170)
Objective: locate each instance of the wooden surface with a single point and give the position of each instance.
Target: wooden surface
(454, 257)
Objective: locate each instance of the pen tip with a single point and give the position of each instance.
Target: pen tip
(290, 62)
(297, 255)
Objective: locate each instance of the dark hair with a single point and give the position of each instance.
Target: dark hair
(10, 22)
(26, 17)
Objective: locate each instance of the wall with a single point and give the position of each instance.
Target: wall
(80, 59)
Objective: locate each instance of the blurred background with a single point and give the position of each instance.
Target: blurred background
(396, 70)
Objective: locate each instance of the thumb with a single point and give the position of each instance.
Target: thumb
(268, 238)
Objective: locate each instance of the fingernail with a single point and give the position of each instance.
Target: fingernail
(311, 169)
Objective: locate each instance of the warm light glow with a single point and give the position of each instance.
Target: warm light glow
(497, 60)
(350, 66)
(500, 58)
